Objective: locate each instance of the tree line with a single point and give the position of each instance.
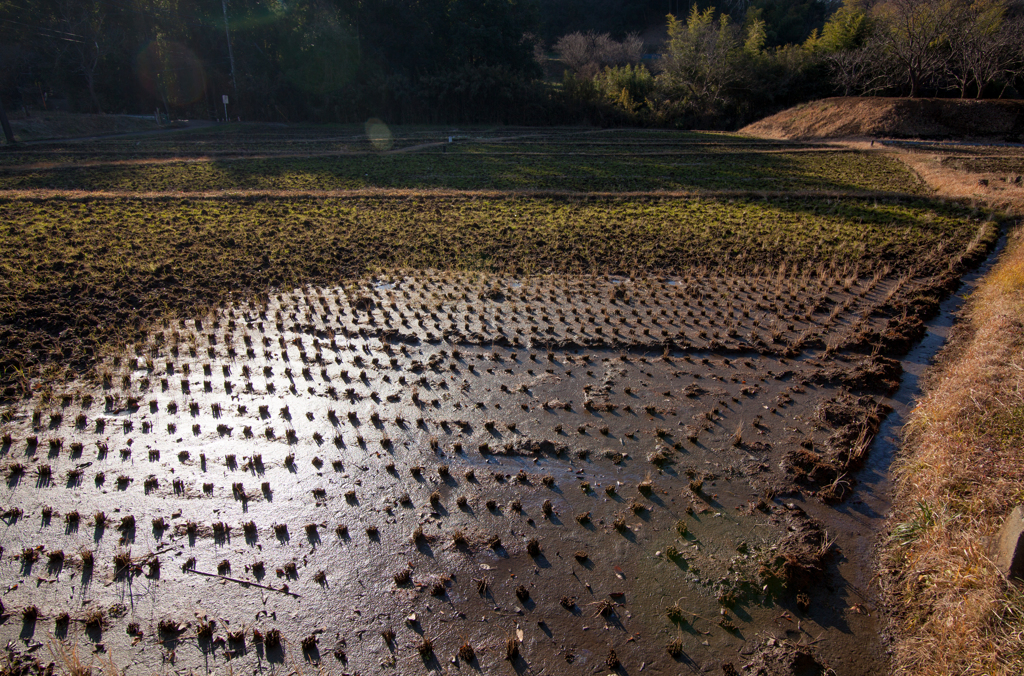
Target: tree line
(715, 71)
(460, 61)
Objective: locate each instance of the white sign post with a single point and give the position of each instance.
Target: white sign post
(224, 98)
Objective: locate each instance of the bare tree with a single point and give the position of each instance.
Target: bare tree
(587, 53)
(632, 48)
(860, 71)
(915, 35)
(575, 50)
(86, 41)
(985, 47)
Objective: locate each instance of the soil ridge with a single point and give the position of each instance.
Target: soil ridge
(883, 117)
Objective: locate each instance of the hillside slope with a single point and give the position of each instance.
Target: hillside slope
(851, 117)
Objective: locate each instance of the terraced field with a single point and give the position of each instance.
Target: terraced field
(550, 401)
(524, 161)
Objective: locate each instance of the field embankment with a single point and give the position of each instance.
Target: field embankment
(961, 473)
(56, 125)
(852, 117)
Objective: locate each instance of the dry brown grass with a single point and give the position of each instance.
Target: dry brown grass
(68, 661)
(960, 474)
(862, 117)
(950, 182)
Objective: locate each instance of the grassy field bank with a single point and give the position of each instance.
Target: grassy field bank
(961, 473)
(961, 469)
(262, 159)
(42, 125)
(524, 169)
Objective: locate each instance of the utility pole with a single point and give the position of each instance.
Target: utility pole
(231, 54)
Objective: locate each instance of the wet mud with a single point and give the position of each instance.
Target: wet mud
(462, 473)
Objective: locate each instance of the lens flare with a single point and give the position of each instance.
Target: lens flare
(379, 134)
(171, 72)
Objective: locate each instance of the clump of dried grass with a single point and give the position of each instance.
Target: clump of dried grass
(68, 660)
(960, 474)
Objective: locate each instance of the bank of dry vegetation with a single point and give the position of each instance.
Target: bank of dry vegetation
(961, 473)
(894, 118)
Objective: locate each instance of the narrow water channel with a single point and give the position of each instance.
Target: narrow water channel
(858, 524)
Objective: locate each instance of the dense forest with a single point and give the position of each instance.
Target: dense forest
(651, 62)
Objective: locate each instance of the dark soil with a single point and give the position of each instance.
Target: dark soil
(466, 449)
(386, 432)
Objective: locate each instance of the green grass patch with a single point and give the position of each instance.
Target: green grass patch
(80, 272)
(617, 172)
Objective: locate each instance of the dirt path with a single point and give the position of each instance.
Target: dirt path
(436, 144)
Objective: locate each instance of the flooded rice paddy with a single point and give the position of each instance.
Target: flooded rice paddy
(462, 473)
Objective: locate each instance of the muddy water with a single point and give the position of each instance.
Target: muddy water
(858, 522)
(387, 473)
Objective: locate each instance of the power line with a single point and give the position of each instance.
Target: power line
(155, 13)
(35, 10)
(22, 8)
(44, 28)
(60, 34)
